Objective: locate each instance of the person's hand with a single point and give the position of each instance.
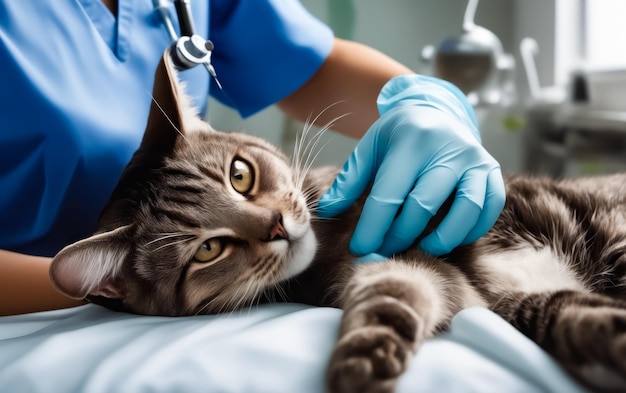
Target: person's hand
(424, 146)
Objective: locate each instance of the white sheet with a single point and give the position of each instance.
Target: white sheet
(273, 349)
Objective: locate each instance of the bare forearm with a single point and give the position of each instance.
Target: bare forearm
(347, 83)
(25, 285)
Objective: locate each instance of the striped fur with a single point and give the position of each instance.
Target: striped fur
(554, 264)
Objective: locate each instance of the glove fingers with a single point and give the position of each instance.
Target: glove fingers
(394, 180)
(452, 229)
(494, 203)
(430, 192)
(352, 180)
(373, 257)
(461, 218)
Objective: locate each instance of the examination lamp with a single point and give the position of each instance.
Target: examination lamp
(470, 59)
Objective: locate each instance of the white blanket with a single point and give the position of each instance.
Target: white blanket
(273, 349)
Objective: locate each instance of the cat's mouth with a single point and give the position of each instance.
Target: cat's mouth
(301, 247)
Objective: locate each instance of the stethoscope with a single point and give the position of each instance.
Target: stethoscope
(190, 49)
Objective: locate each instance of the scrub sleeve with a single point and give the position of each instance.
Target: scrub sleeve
(76, 91)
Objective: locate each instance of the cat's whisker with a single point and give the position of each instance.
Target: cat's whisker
(309, 125)
(256, 299)
(312, 206)
(308, 196)
(228, 306)
(300, 138)
(224, 308)
(167, 117)
(269, 274)
(298, 146)
(326, 109)
(244, 298)
(237, 300)
(319, 219)
(206, 305)
(273, 296)
(317, 137)
(305, 151)
(168, 236)
(310, 157)
(338, 200)
(202, 308)
(281, 293)
(311, 151)
(170, 244)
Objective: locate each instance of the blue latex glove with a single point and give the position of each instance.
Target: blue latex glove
(373, 257)
(424, 146)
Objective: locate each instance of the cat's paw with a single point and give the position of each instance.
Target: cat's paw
(380, 333)
(594, 346)
(368, 360)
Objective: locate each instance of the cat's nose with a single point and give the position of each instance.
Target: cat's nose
(277, 230)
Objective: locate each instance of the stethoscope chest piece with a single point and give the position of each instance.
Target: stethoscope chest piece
(190, 49)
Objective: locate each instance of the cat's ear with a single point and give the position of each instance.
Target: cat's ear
(91, 266)
(169, 109)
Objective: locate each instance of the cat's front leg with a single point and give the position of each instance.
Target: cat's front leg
(389, 309)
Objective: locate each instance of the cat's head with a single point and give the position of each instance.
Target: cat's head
(201, 221)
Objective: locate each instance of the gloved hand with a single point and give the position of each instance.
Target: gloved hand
(424, 146)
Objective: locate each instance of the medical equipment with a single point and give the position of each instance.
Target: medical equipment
(575, 129)
(190, 49)
(469, 59)
(474, 60)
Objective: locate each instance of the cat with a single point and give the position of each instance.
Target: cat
(204, 221)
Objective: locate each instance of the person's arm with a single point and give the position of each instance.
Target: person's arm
(419, 144)
(348, 81)
(25, 285)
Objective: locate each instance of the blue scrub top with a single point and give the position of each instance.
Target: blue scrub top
(76, 91)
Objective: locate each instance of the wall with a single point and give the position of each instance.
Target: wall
(401, 28)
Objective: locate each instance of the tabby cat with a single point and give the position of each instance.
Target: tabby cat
(208, 222)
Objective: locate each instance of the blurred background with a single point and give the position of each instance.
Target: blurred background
(549, 92)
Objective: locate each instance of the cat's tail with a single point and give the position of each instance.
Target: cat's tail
(585, 332)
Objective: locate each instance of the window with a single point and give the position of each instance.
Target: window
(604, 33)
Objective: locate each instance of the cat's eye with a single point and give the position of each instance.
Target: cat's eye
(241, 176)
(209, 250)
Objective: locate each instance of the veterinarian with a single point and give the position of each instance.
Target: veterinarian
(76, 81)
